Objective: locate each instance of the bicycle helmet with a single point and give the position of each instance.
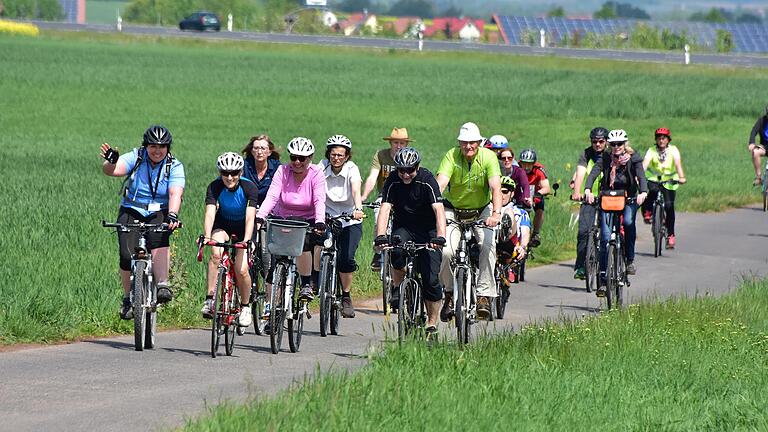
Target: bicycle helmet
(498, 142)
(507, 181)
(663, 131)
(157, 134)
(617, 135)
(407, 157)
(339, 140)
(528, 155)
(598, 132)
(230, 162)
(301, 146)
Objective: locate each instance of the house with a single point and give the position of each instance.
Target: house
(456, 28)
(403, 25)
(355, 23)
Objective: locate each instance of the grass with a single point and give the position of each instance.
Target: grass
(65, 93)
(684, 364)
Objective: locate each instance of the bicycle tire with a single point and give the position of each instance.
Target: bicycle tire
(232, 327)
(521, 275)
(621, 266)
(151, 318)
(277, 314)
(657, 227)
(591, 261)
(765, 201)
(139, 294)
(402, 313)
(217, 306)
(414, 304)
(386, 283)
(257, 302)
(461, 307)
(501, 300)
(336, 308)
(611, 276)
(296, 323)
(325, 294)
(765, 189)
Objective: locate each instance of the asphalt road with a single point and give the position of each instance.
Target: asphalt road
(429, 45)
(104, 384)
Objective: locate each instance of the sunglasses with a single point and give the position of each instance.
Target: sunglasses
(406, 170)
(230, 173)
(617, 144)
(506, 158)
(598, 141)
(302, 159)
(506, 191)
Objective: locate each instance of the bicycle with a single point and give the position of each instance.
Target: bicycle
(285, 241)
(258, 270)
(764, 188)
(330, 284)
(464, 281)
(616, 266)
(384, 273)
(502, 270)
(659, 217)
(226, 295)
(411, 312)
(143, 288)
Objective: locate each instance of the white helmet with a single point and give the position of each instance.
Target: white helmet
(339, 140)
(469, 132)
(230, 162)
(301, 146)
(617, 135)
(498, 142)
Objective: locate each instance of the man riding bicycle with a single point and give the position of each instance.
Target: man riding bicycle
(663, 162)
(587, 160)
(152, 194)
(539, 187)
(230, 210)
(472, 178)
(419, 216)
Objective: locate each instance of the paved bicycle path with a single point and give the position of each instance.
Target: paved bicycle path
(104, 384)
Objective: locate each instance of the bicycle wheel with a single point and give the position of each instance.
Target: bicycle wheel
(413, 297)
(277, 314)
(217, 312)
(501, 300)
(657, 227)
(232, 326)
(296, 322)
(623, 281)
(386, 282)
(151, 318)
(257, 298)
(461, 306)
(521, 275)
(326, 297)
(765, 189)
(336, 308)
(139, 292)
(402, 312)
(612, 275)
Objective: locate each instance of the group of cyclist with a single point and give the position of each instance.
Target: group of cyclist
(477, 180)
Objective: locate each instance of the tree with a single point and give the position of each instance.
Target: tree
(419, 8)
(749, 17)
(714, 15)
(354, 5)
(613, 9)
(607, 11)
(556, 11)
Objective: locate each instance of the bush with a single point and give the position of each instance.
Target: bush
(724, 41)
(49, 10)
(14, 28)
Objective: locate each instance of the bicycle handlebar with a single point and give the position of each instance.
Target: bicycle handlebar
(161, 227)
(372, 205)
(471, 224)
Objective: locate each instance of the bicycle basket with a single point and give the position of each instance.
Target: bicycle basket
(613, 200)
(286, 237)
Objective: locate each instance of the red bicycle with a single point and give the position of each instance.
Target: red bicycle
(226, 295)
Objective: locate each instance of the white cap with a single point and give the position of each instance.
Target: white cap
(469, 132)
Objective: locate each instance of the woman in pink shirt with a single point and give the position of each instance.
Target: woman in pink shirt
(298, 192)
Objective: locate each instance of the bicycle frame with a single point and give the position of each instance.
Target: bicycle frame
(616, 283)
(465, 298)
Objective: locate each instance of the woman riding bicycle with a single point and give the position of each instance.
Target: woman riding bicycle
(261, 162)
(663, 163)
(152, 194)
(230, 209)
(510, 168)
(297, 192)
(622, 169)
(343, 184)
(513, 238)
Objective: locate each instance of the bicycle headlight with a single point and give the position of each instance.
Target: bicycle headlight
(328, 243)
(468, 235)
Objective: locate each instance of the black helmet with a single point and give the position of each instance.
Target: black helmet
(598, 132)
(528, 155)
(157, 134)
(407, 157)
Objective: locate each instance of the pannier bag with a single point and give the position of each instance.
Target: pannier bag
(613, 200)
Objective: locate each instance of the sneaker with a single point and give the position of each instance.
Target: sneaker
(671, 241)
(483, 307)
(246, 317)
(601, 289)
(126, 309)
(394, 300)
(376, 262)
(535, 240)
(267, 328)
(207, 309)
(430, 333)
(631, 268)
(306, 293)
(267, 310)
(446, 313)
(347, 311)
(164, 293)
(580, 273)
(647, 216)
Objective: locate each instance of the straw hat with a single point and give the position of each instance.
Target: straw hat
(400, 134)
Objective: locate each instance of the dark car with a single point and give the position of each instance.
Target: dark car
(201, 21)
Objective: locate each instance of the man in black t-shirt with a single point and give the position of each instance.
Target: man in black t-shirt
(414, 196)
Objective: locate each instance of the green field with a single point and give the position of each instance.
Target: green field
(64, 94)
(682, 365)
(103, 11)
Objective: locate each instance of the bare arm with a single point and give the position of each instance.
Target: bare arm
(357, 198)
(174, 198)
(118, 169)
(679, 168)
(442, 181)
(370, 183)
(210, 215)
(647, 160)
(578, 180)
(544, 187)
(250, 218)
(495, 184)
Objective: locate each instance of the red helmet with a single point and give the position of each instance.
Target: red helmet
(663, 131)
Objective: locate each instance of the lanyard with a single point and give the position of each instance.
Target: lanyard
(157, 182)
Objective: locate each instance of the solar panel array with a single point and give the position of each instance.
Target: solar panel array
(747, 38)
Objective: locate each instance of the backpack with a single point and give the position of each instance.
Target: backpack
(128, 182)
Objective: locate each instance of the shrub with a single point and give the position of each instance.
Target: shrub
(724, 41)
(14, 28)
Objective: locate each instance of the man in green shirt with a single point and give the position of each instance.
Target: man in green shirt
(470, 180)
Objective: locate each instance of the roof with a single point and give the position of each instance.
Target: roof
(454, 24)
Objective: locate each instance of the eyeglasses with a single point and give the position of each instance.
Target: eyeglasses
(230, 173)
(301, 159)
(618, 143)
(261, 149)
(506, 158)
(337, 155)
(598, 141)
(506, 191)
(469, 143)
(406, 170)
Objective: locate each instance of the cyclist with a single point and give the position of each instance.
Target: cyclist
(622, 169)
(472, 178)
(297, 192)
(152, 190)
(587, 160)
(497, 143)
(538, 184)
(230, 209)
(510, 168)
(663, 161)
(343, 181)
(760, 128)
(261, 162)
(419, 216)
(381, 166)
(512, 242)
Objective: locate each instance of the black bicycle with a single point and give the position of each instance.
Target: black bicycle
(465, 279)
(143, 288)
(616, 266)
(258, 271)
(659, 218)
(385, 274)
(330, 289)
(592, 258)
(411, 313)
